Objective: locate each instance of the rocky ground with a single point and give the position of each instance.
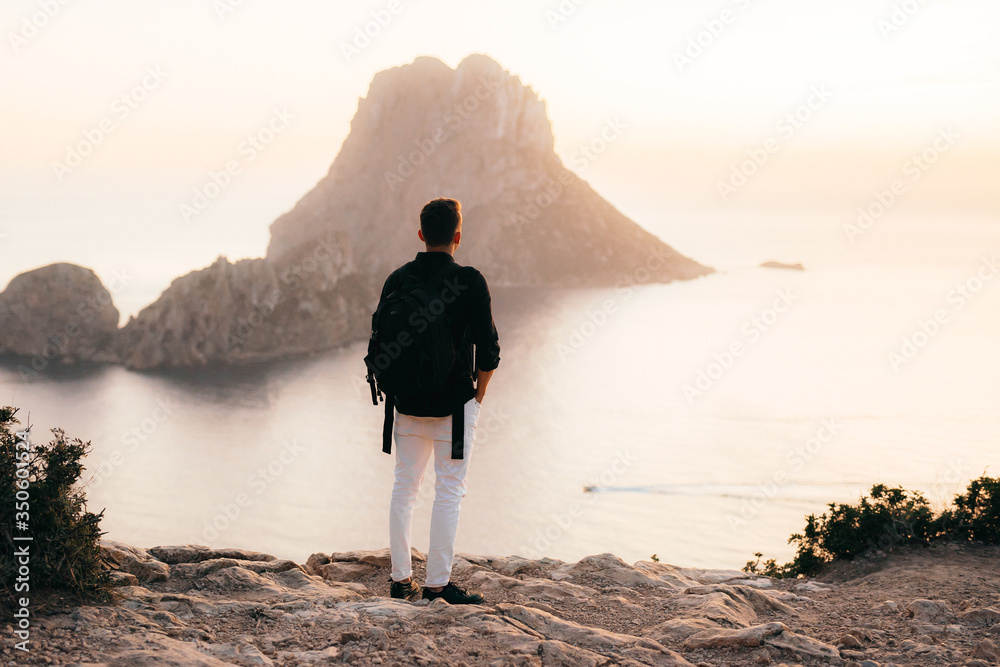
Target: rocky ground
(190, 605)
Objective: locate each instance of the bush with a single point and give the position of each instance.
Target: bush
(889, 518)
(64, 549)
(977, 512)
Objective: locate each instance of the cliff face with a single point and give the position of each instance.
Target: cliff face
(252, 310)
(59, 312)
(479, 135)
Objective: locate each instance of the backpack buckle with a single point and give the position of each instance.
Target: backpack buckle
(376, 394)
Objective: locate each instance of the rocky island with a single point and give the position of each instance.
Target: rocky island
(424, 130)
(782, 265)
(59, 312)
(194, 605)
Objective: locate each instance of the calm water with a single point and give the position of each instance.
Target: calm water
(285, 458)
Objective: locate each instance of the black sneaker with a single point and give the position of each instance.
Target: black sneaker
(452, 594)
(408, 591)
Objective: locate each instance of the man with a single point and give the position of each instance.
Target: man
(441, 422)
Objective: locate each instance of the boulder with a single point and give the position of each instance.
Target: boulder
(887, 608)
(196, 553)
(531, 587)
(59, 313)
(204, 568)
(987, 650)
(344, 571)
(162, 651)
(727, 638)
(377, 558)
(803, 646)
(643, 573)
(679, 629)
(930, 611)
(981, 617)
(133, 560)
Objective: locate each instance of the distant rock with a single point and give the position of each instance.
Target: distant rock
(782, 265)
(477, 134)
(58, 313)
(251, 311)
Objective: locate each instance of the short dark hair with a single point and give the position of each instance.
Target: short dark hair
(439, 220)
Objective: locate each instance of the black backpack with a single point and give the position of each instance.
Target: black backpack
(411, 350)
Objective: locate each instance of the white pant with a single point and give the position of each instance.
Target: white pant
(416, 438)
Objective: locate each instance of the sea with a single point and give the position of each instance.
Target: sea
(696, 421)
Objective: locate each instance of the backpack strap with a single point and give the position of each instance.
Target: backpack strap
(458, 418)
(387, 425)
(458, 433)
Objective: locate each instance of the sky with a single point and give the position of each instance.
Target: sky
(832, 100)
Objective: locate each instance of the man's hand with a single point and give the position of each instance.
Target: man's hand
(482, 379)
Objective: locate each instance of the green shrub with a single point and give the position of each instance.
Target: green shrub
(977, 512)
(64, 549)
(770, 568)
(891, 517)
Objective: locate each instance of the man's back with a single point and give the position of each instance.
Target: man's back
(466, 304)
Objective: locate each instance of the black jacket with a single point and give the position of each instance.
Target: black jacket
(468, 308)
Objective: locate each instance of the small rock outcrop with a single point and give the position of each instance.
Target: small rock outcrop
(251, 311)
(61, 313)
(782, 265)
